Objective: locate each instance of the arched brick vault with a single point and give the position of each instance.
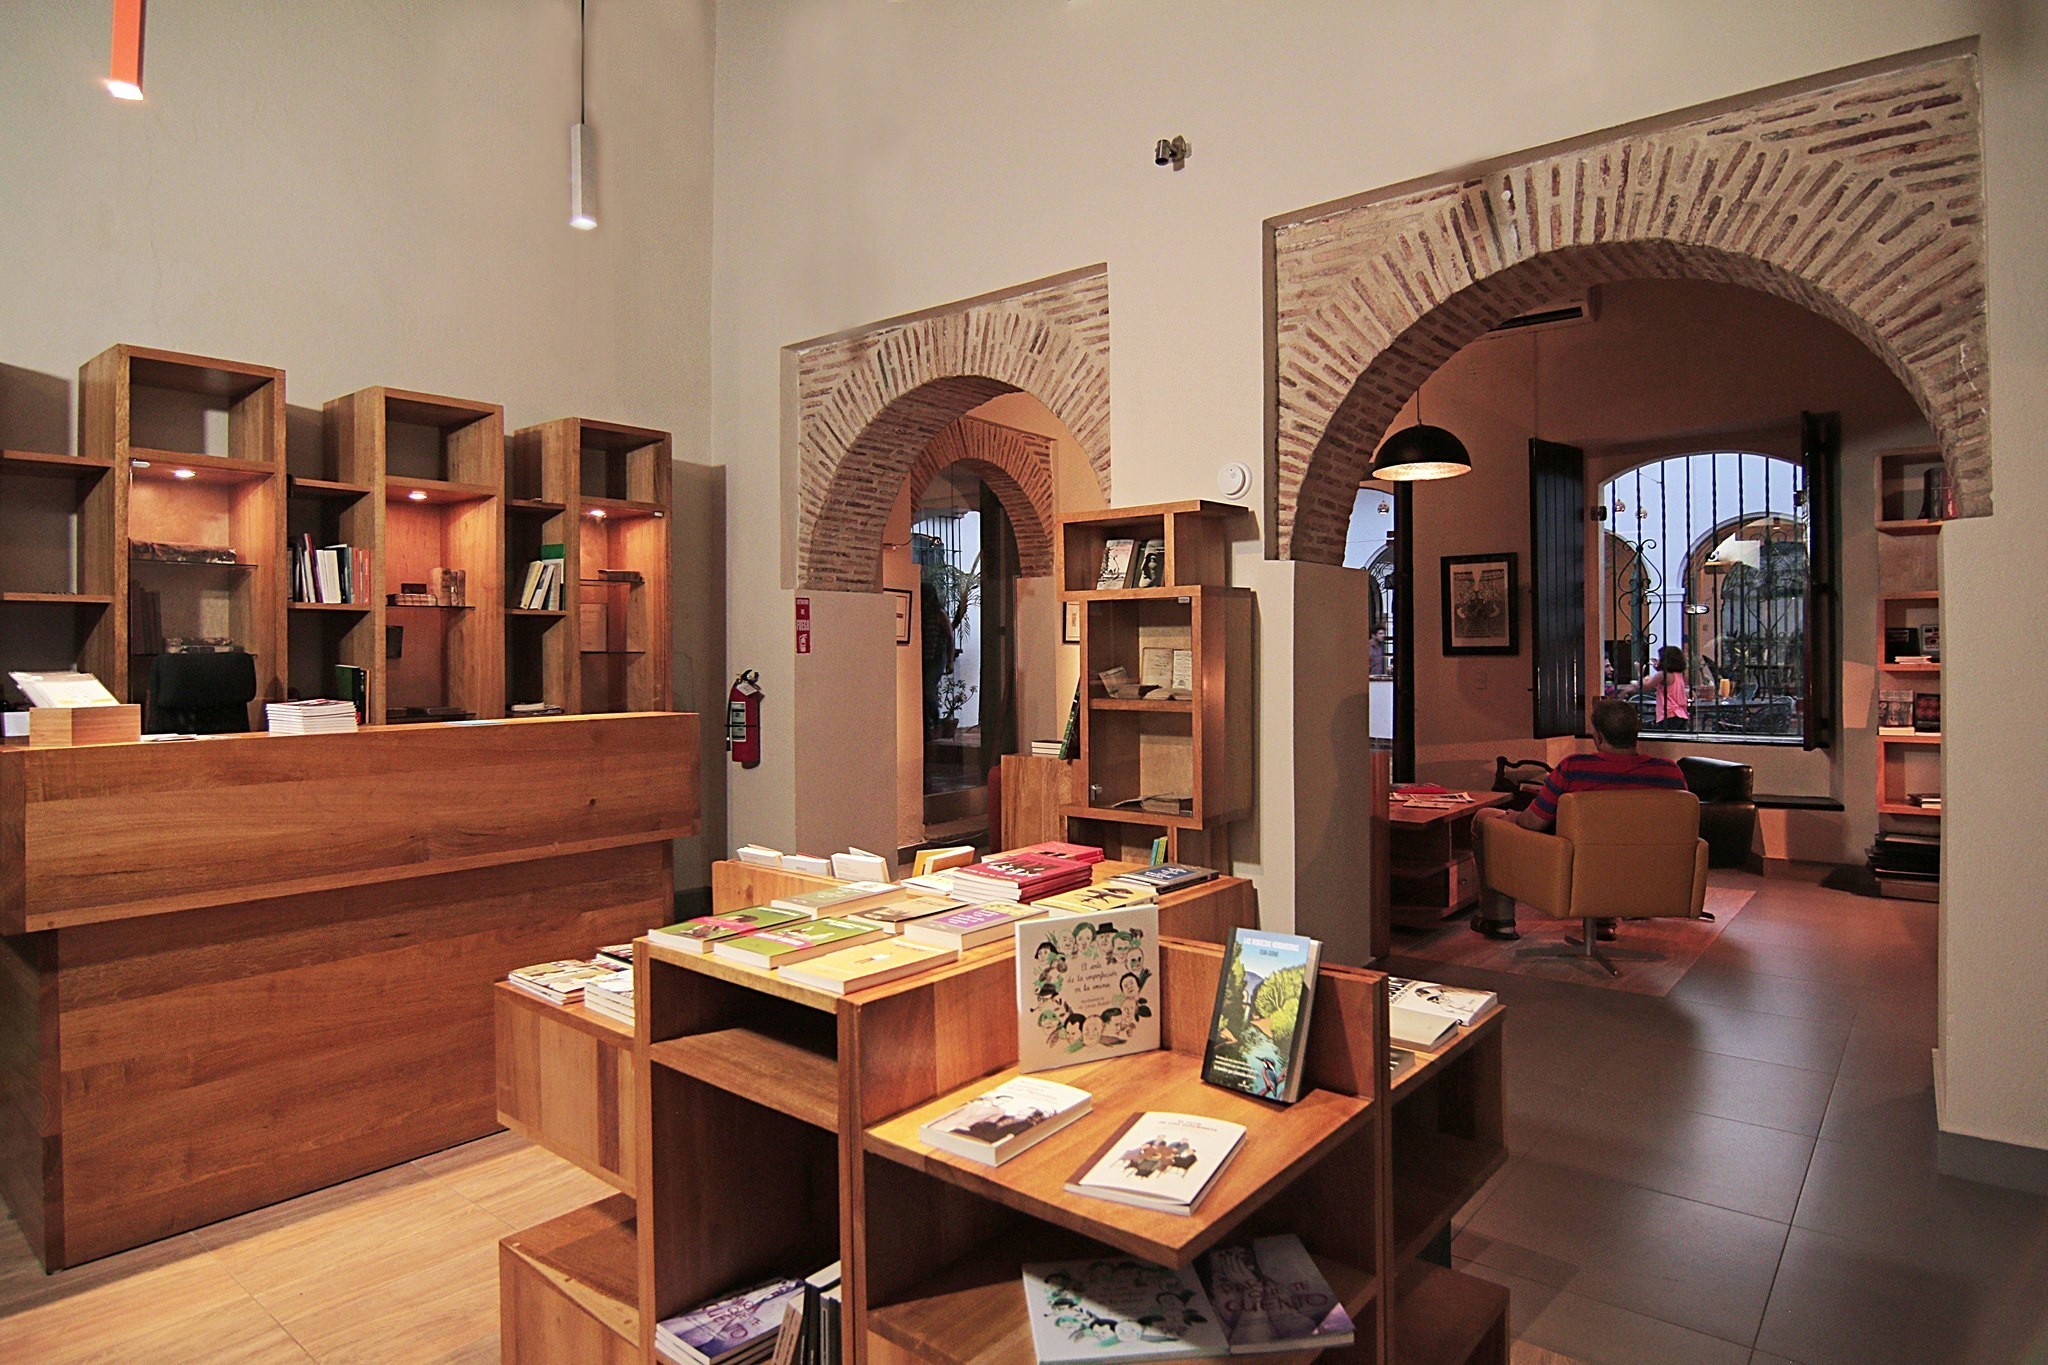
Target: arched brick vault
(1861, 200)
(1017, 467)
(868, 405)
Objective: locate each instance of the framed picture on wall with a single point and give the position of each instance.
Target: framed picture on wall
(904, 600)
(1070, 627)
(1480, 604)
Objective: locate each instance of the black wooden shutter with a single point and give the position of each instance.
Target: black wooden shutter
(1557, 576)
(1821, 451)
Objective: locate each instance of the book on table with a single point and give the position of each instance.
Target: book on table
(1161, 878)
(927, 861)
(868, 964)
(1116, 1307)
(323, 717)
(611, 996)
(833, 900)
(1258, 1029)
(1161, 1161)
(898, 910)
(758, 855)
(562, 982)
(1269, 1296)
(1014, 1117)
(697, 935)
(1096, 898)
(859, 865)
(1019, 877)
(807, 863)
(775, 948)
(1086, 987)
(1055, 848)
(969, 927)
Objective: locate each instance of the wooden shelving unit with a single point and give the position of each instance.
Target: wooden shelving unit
(777, 1131)
(433, 471)
(57, 564)
(1909, 594)
(602, 492)
(1197, 747)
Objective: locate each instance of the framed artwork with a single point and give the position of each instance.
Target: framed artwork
(1070, 629)
(904, 600)
(1480, 604)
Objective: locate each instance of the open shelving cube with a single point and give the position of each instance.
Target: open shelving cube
(57, 589)
(1909, 520)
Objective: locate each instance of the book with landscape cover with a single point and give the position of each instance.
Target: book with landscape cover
(1160, 1161)
(773, 948)
(833, 900)
(868, 964)
(971, 927)
(1269, 1296)
(997, 1124)
(697, 935)
(1259, 1028)
(1087, 987)
(1118, 1308)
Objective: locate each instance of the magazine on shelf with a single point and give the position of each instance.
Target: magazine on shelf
(1258, 1029)
(998, 1124)
(1118, 1308)
(1160, 1161)
(1087, 987)
(563, 982)
(725, 1330)
(1270, 1296)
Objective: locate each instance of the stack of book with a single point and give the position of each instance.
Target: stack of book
(1161, 878)
(329, 573)
(1907, 866)
(971, 926)
(734, 1330)
(545, 589)
(1048, 748)
(563, 982)
(1054, 848)
(612, 995)
(771, 949)
(1019, 877)
(1424, 1015)
(310, 717)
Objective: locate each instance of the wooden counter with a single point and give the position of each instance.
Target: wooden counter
(239, 969)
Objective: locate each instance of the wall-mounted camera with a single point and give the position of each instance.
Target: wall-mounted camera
(1171, 151)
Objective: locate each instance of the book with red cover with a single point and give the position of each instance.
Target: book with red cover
(1019, 876)
(1053, 848)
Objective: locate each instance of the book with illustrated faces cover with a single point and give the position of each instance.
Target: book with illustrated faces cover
(1118, 1308)
(1161, 1161)
(1259, 1028)
(1087, 987)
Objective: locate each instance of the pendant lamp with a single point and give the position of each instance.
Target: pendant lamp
(1421, 452)
(124, 64)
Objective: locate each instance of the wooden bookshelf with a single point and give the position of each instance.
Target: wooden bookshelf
(1195, 747)
(57, 569)
(602, 491)
(1909, 520)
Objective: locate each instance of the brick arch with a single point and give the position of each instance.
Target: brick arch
(1860, 198)
(870, 403)
(1017, 467)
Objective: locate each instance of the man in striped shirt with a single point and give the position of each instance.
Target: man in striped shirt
(1614, 765)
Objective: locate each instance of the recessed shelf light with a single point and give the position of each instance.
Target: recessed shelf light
(417, 495)
(184, 474)
(139, 464)
(597, 514)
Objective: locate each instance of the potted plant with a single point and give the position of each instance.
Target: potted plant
(953, 694)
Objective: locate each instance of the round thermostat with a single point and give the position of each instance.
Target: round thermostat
(1234, 480)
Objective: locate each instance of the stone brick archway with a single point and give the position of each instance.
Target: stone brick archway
(1017, 467)
(870, 403)
(1858, 196)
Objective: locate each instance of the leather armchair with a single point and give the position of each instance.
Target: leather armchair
(1615, 855)
(1727, 793)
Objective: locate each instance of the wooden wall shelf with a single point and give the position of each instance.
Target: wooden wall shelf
(1909, 594)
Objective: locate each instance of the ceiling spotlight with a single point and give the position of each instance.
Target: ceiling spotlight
(184, 474)
(124, 64)
(1171, 151)
(417, 495)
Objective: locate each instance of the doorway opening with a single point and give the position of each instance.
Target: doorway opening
(965, 551)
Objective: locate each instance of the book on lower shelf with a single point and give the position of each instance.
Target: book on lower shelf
(1118, 1308)
(697, 935)
(1258, 1030)
(1014, 1117)
(1894, 712)
(611, 996)
(1425, 1015)
(1269, 1296)
(1160, 1161)
(733, 1330)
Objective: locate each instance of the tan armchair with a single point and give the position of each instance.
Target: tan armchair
(1615, 855)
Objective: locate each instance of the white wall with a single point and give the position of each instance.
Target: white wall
(878, 158)
(374, 192)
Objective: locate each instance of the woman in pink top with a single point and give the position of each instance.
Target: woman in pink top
(1668, 685)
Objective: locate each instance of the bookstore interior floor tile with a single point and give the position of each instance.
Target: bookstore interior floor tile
(1740, 1171)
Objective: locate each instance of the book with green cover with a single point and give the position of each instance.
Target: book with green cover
(772, 948)
(697, 935)
(1260, 1025)
(838, 898)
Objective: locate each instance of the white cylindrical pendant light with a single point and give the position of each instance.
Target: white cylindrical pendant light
(582, 179)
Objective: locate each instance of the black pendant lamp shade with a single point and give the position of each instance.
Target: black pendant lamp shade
(1421, 452)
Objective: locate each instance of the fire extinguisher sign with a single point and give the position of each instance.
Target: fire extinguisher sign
(803, 625)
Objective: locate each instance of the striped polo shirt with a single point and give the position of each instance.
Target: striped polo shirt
(1605, 772)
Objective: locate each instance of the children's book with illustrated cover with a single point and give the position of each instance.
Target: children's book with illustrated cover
(1087, 987)
(997, 1124)
(1118, 1308)
(1259, 1028)
(1269, 1296)
(1160, 1161)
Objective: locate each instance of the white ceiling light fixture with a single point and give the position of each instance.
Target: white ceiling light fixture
(582, 151)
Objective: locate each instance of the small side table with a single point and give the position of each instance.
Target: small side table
(1433, 872)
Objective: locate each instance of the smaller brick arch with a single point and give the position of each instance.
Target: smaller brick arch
(1017, 467)
(870, 403)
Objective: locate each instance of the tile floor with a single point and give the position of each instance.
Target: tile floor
(1743, 1170)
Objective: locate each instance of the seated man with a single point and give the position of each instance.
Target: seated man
(1614, 765)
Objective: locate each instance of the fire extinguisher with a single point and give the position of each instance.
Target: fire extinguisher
(743, 720)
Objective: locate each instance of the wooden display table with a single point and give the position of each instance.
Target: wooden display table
(1433, 874)
(238, 969)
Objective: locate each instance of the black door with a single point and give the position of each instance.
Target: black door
(1557, 576)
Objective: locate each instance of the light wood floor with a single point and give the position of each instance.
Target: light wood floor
(400, 1266)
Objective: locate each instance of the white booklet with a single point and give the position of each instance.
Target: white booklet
(1087, 987)
(997, 1124)
(1465, 1006)
(1160, 1161)
(1118, 1308)
(63, 690)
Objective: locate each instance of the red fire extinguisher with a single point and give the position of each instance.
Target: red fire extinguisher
(743, 720)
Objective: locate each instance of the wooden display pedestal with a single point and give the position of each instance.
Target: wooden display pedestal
(55, 727)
